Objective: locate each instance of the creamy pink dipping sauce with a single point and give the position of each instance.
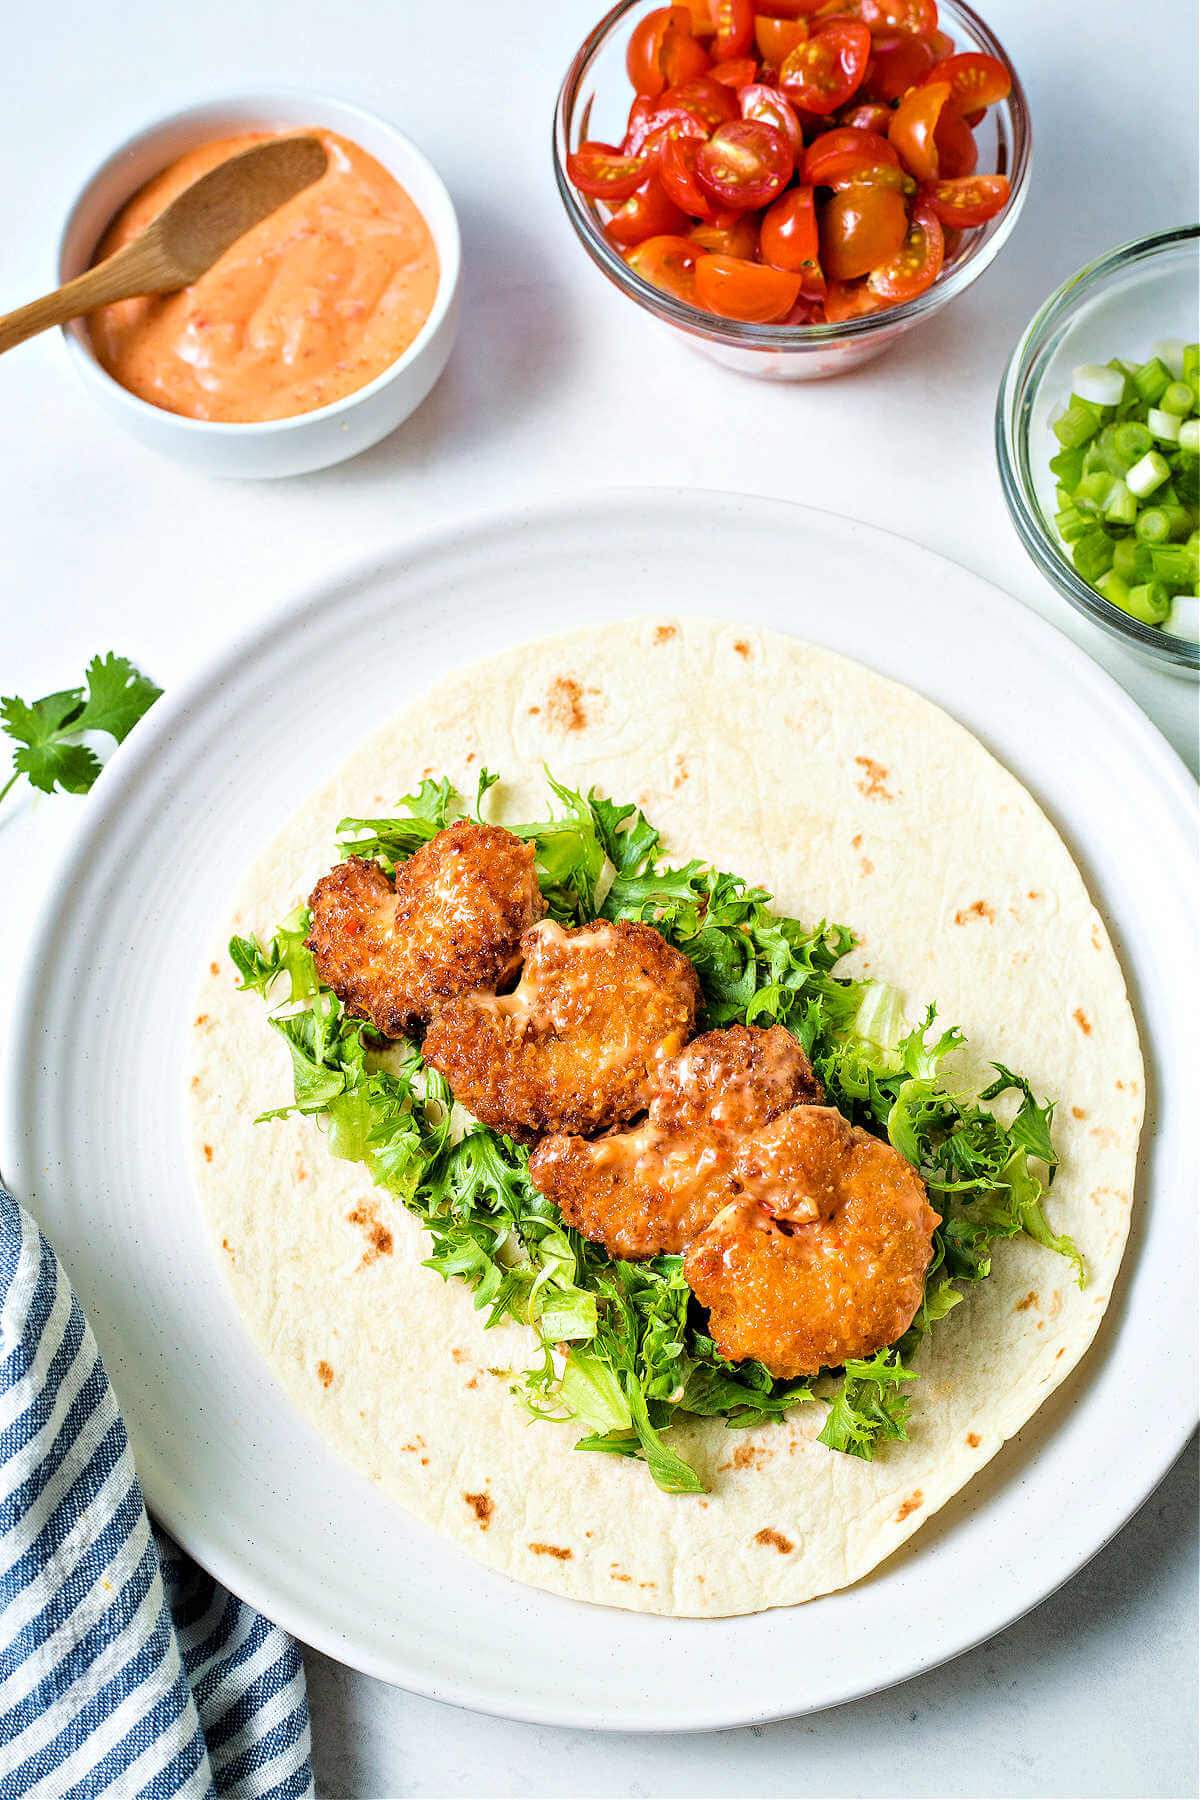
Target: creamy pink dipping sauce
(313, 303)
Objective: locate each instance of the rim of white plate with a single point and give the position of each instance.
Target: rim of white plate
(136, 759)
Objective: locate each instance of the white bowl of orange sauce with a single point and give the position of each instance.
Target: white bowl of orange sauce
(315, 335)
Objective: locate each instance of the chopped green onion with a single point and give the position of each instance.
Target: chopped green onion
(1184, 617)
(1131, 439)
(1189, 436)
(1175, 567)
(1131, 560)
(1079, 423)
(1148, 474)
(1100, 385)
(1170, 352)
(1071, 524)
(1191, 366)
(1092, 553)
(1152, 380)
(1164, 425)
(1163, 524)
(1149, 602)
(1178, 399)
(1120, 508)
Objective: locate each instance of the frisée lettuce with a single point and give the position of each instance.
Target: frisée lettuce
(624, 1350)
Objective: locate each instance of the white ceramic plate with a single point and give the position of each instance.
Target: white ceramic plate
(95, 1129)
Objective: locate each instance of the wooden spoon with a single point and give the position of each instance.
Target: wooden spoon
(186, 238)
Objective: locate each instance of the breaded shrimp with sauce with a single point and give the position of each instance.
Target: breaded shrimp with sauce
(823, 1257)
(451, 924)
(579, 1042)
(651, 1190)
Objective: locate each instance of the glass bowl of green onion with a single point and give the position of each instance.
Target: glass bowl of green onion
(1098, 439)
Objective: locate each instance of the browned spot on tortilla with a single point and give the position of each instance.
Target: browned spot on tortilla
(470, 756)
(195, 1081)
(866, 865)
(910, 1505)
(1096, 944)
(208, 1153)
(1033, 894)
(1105, 1135)
(974, 1439)
(774, 1540)
(1082, 1020)
(424, 1461)
(664, 633)
(1024, 1305)
(461, 1356)
(301, 1172)
(481, 1506)
(978, 909)
(856, 841)
(324, 1374)
(744, 1456)
(874, 782)
(379, 1238)
(564, 703)
(201, 1018)
(556, 1550)
(474, 1381)
(742, 648)
(620, 1577)
(533, 710)
(214, 968)
(1120, 1084)
(226, 1245)
(1059, 1351)
(1077, 1112)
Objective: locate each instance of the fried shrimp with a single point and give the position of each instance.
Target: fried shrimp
(452, 923)
(649, 1191)
(823, 1255)
(577, 1045)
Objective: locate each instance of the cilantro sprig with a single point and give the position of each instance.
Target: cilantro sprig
(114, 697)
(625, 1349)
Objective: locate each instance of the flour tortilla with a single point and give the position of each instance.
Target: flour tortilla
(847, 797)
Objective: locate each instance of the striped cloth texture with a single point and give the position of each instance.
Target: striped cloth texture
(124, 1669)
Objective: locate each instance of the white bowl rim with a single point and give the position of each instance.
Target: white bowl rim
(447, 238)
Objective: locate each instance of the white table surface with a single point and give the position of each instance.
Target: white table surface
(558, 386)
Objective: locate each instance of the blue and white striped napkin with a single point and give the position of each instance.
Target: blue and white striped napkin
(124, 1669)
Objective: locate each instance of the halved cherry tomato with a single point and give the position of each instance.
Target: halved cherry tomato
(916, 264)
(760, 101)
(850, 300)
(648, 212)
(605, 172)
(745, 290)
(870, 116)
(789, 9)
(668, 263)
(942, 44)
(840, 154)
(745, 164)
(789, 239)
(911, 133)
(777, 37)
(822, 74)
(734, 20)
(884, 17)
(861, 228)
(955, 144)
(738, 239)
(968, 201)
(734, 71)
(975, 80)
(677, 172)
(682, 57)
(702, 19)
(896, 64)
(651, 123)
(643, 53)
(711, 102)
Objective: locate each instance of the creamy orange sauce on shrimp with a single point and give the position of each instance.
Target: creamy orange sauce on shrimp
(311, 304)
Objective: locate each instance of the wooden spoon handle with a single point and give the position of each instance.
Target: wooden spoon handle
(142, 267)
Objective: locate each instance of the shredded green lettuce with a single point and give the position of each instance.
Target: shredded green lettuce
(624, 1348)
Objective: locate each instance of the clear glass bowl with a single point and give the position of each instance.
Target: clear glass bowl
(594, 102)
(1119, 305)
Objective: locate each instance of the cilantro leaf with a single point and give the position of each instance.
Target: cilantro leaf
(115, 697)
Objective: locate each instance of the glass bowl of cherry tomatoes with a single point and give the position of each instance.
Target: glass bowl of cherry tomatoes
(793, 184)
